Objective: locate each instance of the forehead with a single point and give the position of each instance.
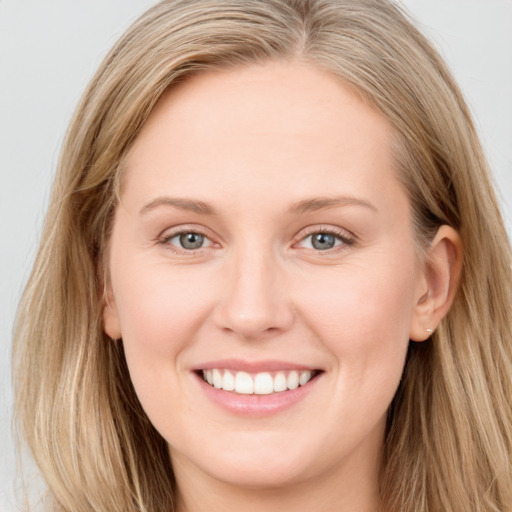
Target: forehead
(287, 126)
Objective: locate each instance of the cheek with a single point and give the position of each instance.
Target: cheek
(363, 299)
(363, 322)
(362, 314)
(160, 308)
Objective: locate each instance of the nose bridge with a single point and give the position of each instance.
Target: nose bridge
(255, 302)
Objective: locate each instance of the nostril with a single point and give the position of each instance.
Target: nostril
(259, 321)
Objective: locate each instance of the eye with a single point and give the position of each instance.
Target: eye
(325, 240)
(187, 240)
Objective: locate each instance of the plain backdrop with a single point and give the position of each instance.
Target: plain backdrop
(48, 52)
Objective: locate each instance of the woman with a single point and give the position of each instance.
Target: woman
(273, 274)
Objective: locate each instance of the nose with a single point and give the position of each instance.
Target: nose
(255, 302)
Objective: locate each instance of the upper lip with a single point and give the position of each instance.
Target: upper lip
(252, 366)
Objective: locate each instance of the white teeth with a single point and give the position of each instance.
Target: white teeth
(258, 384)
(263, 384)
(244, 384)
(280, 382)
(293, 380)
(304, 378)
(228, 381)
(217, 379)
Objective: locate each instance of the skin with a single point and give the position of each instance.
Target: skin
(251, 143)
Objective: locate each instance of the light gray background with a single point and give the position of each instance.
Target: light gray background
(48, 52)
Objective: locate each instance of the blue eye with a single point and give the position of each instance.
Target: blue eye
(325, 240)
(189, 240)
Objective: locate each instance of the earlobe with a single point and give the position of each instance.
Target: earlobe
(111, 324)
(440, 279)
(110, 316)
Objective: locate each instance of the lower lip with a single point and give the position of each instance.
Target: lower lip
(256, 405)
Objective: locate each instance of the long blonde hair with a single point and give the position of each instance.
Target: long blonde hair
(449, 438)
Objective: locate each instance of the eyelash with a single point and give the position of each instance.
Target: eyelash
(345, 238)
(181, 251)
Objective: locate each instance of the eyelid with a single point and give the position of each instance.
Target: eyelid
(346, 237)
(171, 233)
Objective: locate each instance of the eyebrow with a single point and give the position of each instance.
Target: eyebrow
(321, 203)
(190, 205)
(305, 206)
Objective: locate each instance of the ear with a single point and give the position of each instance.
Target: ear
(111, 323)
(438, 283)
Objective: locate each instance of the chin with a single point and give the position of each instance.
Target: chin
(251, 465)
(260, 476)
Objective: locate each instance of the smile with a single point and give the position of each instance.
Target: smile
(263, 383)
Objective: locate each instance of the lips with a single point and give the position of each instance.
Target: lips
(256, 388)
(261, 383)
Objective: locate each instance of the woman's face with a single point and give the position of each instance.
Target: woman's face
(262, 239)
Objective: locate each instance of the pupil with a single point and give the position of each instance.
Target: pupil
(191, 240)
(323, 241)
